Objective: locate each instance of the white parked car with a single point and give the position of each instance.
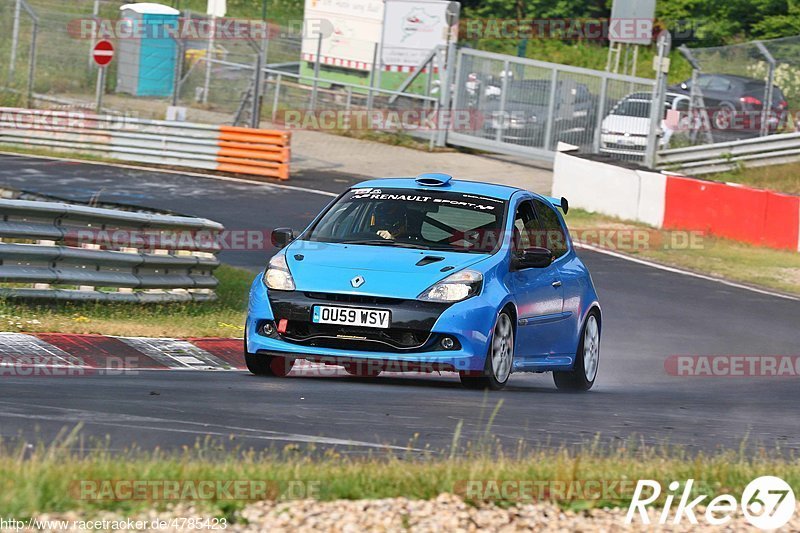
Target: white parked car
(625, 129)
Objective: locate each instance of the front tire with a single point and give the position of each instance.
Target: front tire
(499, 360)
(267, 365)
(587, 359)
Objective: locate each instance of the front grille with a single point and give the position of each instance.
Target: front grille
(353, 298)
(629, 147)
(354, 337)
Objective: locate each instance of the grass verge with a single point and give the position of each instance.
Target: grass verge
(780, 178)
(47, 479)
(693, 251)
(222, 318)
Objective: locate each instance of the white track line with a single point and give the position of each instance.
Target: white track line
(176, 172)
(102, 418)
(685, 272)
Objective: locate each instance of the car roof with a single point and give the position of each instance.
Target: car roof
(493, 190)
(733, 77)
(646, 97)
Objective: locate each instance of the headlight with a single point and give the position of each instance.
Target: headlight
(454, 288)
(277, 277)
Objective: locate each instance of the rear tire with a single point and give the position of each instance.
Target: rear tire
(587, 358)
(499, 359)
(267, 365)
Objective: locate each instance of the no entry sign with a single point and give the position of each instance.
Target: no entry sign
(103, 53)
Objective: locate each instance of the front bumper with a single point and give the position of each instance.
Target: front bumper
(412, 343)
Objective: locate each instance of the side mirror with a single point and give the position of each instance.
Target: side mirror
(532, 258)
(281, 237)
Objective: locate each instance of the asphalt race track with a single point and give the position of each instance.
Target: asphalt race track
(649, 314)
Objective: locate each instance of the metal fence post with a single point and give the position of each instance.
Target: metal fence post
(315, 84)
(14, 40)
(176, 83)
(372, 76)
(255, 113)
(101, 89)
(209, 50)
(276, 98)
(601, 108)
(452, 72)
(501, 118)
(432, 141)
(551, 110)
(32, 58)
(657, 101)
(766, 109)
(96, 26)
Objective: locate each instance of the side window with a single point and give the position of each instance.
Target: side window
(719, 84)
(552, 236)
(525, 226)
(704, 81)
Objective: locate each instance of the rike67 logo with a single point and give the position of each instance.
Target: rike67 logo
(767, 503)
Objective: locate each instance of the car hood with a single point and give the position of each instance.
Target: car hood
(511, 107)
(387, 271)
(626, 124)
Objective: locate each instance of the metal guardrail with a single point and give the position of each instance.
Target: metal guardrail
(721, 157)
(53, 250)
(184, 144)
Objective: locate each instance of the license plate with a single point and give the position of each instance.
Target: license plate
(350, 316)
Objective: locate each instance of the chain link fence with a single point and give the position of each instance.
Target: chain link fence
(737, 92)
(480, 100)
(526, 107)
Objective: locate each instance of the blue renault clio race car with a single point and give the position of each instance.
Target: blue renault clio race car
(429, 274)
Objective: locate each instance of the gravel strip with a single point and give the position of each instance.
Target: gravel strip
(450, 513)
(446, 513)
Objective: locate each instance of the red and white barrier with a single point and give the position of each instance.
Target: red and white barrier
(760, 217)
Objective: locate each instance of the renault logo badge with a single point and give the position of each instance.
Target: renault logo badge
(357, 281)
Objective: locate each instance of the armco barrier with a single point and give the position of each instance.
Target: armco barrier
(720, 157)
(759, 217)
(53, 250)
(183, 144)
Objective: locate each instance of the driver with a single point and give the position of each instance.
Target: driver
(390, 219)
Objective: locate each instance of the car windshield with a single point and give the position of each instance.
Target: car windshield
(633, 108)
(407, 218)
(532, 92)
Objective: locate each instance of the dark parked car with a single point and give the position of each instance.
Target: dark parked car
(522, 118)
(736, 102)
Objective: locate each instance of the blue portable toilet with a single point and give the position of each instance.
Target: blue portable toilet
(146, 57)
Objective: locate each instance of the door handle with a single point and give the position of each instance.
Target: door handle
(556, 284)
